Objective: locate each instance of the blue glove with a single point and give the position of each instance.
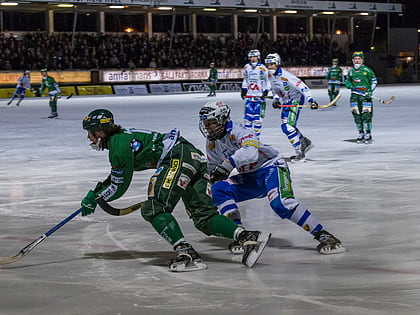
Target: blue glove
(89, 203)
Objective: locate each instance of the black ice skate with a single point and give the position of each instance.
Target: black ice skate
(53, 115)
(367, 138)
(9, 102)
(299, 156)
(187, 259)
(306, 145)
(328, 244)
(253, 243)
(360, 138)
(236, 248)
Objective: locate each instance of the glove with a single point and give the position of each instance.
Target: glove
(243, 93)
(368, 94)
(276, 104)
(219, 173)
(89, 203)
(58, 95)
(265, 93)
(314, 105)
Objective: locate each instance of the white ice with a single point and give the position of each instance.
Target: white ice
(367, 195)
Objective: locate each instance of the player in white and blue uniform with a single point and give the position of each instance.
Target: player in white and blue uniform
(23, 83)
(255, 87)
(288, 93)
(262, 170)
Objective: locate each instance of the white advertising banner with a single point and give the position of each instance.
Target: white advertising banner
(140, 89)
(179, 75)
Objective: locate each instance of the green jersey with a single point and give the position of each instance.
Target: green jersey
(133, 150)
(361, 80)
(213, 74)
(334, 75)
(50, 84)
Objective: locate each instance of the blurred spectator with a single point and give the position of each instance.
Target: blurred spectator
(57, 51)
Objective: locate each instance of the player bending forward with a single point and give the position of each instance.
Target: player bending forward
(262, 172)
(181, 172)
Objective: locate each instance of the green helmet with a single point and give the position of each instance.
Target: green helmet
(358, 54)
(334, 60)
(98, 119)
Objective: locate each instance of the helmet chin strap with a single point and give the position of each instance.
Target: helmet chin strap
(96, 146)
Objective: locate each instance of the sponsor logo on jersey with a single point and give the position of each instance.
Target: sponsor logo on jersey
(167, 183)
(183, 181)
(189, 167)
(135, 145)
(198, 157)
(151, 187)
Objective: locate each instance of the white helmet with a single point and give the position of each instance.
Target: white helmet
(273, 58)
(214, 110)
(254, 53)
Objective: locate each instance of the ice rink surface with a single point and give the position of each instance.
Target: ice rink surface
(367, 195)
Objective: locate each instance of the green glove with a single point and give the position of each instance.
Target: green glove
(89, 203)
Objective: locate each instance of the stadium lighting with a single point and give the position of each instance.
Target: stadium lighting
(364, 13)
(209, 9)
(129, 30)
(165, 8)
(11, 4)
(290, 11)
(65, 5)
(116, 7)
(328, 12)
(251, 10)
(338, 32)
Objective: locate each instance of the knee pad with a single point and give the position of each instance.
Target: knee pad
(367, 107)
(354, 108)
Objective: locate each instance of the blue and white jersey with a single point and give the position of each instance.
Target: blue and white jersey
(255, 80)
(243, 150)
(288, 88)
(24, 81)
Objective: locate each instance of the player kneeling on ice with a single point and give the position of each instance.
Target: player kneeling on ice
(262, 172)
(181, 172)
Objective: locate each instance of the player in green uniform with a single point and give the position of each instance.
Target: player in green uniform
(181, 172)
(54, 91)
(212, 79)
(361, 80)
(335, 78)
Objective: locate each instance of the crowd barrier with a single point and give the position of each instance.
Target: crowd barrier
(147, 81)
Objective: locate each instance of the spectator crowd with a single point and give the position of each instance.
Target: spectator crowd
(62, 51)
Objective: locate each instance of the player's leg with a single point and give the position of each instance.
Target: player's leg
(283, 202)
(248, 114)
(366, 116)
(356, 111)
(289, 117)
(22, 96)
(53, 105)
(331, 91)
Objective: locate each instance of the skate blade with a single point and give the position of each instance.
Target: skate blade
(236, 250)
(327, 250)
(308, 148)
(193, 266)
(255, 254)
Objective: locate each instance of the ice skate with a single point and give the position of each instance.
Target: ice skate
(187, 259)
(367, 138)
(360, 138)
(17, 104)
(306, 145)
(53, 115)
(236, 248)
(299, 156)
(328, 244)
(9, 102)
(253, 243)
